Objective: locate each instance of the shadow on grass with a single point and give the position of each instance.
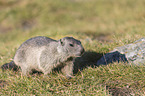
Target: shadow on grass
(89, 58)
(10, 66)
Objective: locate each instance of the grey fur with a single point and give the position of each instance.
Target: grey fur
(44, 54)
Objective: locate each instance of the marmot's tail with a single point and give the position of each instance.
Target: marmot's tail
(11, 66)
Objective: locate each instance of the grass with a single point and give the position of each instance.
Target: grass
(101, 25)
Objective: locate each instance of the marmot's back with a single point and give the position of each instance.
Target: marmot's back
(37, 41)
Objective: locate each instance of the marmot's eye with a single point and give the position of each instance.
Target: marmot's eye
(71, 45)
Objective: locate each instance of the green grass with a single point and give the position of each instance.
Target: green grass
(101, 25)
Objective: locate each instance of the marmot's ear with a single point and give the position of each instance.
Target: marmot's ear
(61, 42)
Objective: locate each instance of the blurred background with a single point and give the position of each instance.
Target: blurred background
(92, 19)
(100, 21)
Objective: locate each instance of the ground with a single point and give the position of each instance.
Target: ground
(101, 25)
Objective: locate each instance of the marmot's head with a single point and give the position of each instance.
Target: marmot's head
(70, 46)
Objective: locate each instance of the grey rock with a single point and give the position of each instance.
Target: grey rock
(133, 53)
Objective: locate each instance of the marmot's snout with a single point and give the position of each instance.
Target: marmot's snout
(80, 53)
